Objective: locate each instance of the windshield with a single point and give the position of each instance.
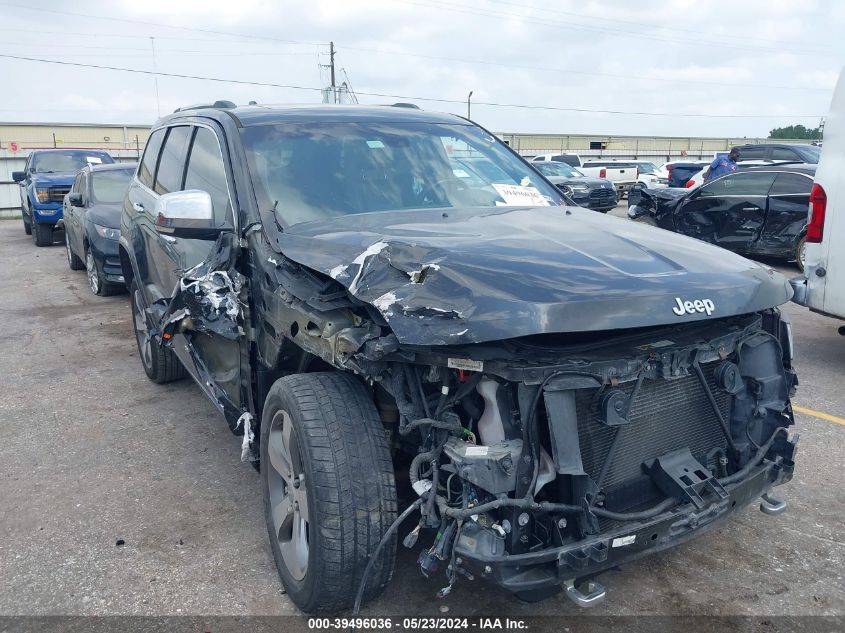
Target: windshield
(110, 186)
(554, 168)
(50, 162)
(313, 171)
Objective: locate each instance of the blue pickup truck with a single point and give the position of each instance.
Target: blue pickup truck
(47, 177)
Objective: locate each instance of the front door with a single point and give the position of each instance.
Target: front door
(729, 211)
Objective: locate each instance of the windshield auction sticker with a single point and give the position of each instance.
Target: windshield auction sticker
(517, 195)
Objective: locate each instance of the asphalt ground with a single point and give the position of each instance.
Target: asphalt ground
(122, 497)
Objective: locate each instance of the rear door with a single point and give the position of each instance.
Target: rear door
(789, 200)
(729, 211)
(137, 225)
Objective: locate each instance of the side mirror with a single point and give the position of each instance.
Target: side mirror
(18, 176)
(186, 214)
(75, 199)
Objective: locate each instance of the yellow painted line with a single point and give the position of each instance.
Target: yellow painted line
(819, 414)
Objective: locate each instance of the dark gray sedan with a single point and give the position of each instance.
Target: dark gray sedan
(593, 193)
(91, 217)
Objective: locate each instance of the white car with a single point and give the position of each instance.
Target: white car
(822, 287)
(650, 175)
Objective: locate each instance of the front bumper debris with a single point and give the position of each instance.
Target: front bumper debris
(538, 570)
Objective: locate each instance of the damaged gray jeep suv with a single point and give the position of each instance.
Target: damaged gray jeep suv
(547, 391)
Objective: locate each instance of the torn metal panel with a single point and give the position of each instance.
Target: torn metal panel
(477, 275)
(206, 297)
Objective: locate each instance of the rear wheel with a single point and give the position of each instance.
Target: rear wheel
(801, 253)
(329, 489)
(72, 260)
(160, 363)
(42, 234)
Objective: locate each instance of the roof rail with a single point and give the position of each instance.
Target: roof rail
(412, 106)
(221, 103)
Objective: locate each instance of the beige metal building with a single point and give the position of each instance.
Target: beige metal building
(22, 137)
(662, 148)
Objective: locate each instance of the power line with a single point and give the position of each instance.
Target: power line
(161, 25)
(413, 97)
(603, 18)
(488, 13)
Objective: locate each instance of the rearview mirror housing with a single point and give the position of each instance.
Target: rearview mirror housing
(18, 176)
(75, 199)
(187, 214)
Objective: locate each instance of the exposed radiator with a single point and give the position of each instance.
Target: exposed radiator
(667, 415)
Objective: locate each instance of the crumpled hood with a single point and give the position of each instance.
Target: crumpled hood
(442, 277)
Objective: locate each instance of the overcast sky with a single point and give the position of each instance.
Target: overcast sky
(773, 61)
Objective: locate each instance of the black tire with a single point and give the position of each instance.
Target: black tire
(73, 261)
(799, 253)
(646, 219)
(27, 223)
(160, 364)
(349, 483)
(42, 234)
(97, 281)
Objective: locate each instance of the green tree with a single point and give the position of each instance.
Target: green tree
(796, 131)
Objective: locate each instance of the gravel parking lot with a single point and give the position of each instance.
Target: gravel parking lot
(123, 497)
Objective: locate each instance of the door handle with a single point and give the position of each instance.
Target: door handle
(167, 238)
(138, 207)
(750, 208)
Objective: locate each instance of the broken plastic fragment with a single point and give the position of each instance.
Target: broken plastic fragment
(247, 454)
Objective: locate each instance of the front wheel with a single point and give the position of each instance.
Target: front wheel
(329, 489)
(96, 279)
(42, 234)
(160, 363)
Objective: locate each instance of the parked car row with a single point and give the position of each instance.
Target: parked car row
(78, 195)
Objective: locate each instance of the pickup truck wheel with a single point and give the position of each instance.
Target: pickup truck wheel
(160, 363)
(329, 489)
(42, 234)
(72, 260)
(96, 280)
(801, 253)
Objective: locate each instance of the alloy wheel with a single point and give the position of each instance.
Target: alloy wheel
(141, 332)
(288, 495)
(91, 269)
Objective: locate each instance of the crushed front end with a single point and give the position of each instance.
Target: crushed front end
(547, 459)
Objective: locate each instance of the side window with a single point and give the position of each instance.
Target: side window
(791, 183)
(784, 153)
(747, 184)
(207, 172)
(171, 165)
(148, 162)
(752, 153)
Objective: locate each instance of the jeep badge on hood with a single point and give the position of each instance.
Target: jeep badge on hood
(691, 307)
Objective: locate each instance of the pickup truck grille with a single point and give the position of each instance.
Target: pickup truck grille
(602, 197)
(667, 415)
(57, 194)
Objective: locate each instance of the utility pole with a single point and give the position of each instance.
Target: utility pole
(155, 74)
(469, 97)
(331, 67)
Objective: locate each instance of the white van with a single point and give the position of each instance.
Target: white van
(822, 289)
